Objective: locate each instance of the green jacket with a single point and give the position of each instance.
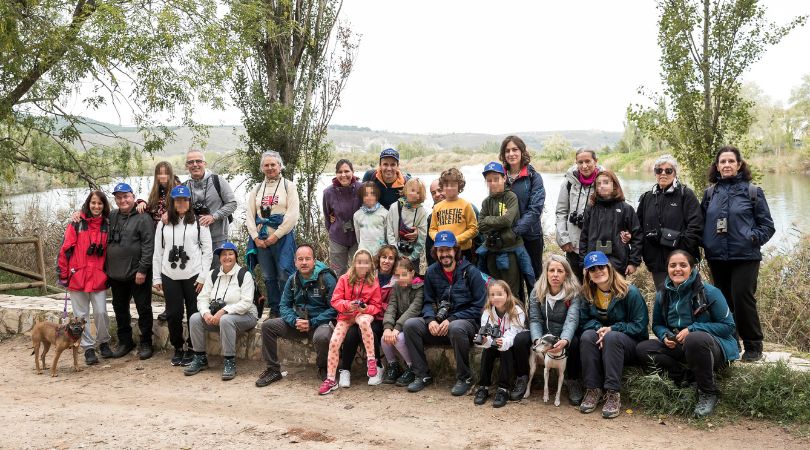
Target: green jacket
(628, 315)
(499, 213)
(403, 304)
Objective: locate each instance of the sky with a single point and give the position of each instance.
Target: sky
(510, 66)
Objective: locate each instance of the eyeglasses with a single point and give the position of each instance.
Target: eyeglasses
(668, 171)
(191, 162)
(596, 268)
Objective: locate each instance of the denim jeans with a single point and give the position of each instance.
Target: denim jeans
(277, 265)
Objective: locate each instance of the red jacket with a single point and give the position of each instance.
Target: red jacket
(385, 294)
(83, 272)
(345, 293)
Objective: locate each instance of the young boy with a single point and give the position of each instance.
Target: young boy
(455, 214)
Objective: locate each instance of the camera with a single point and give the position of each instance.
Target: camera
(178, 254)
(722, 225)
(493, 241)
(265, 211)
(215, 305)
(95, 249)
(605, 247)
(200, 209)
(653, 235)
(405, 247)
(487, 330)
(359, 303)
(301, 312)
(348, 227)
(576, 218)
(444, 309)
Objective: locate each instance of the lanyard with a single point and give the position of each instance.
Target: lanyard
(219, 281)
(264, 186)
(184, 234)
(360, 292)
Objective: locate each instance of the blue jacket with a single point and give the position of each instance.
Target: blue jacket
(531, 196)
(717, 320)
(307, 294)
(468, 292)
(749, 226)
(628, 315)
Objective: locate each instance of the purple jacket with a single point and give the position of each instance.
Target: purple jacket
(339, 206)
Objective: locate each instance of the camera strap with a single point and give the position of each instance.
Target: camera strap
(219, 281)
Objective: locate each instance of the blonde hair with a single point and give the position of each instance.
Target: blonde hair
(511, 304)
(420, 189)
(570, 284)
(370, 277)
(618, 285)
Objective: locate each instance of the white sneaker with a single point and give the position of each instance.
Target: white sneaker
(376, 379)
(345, 379)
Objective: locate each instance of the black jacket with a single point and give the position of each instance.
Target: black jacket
(676, 208)
(603, 222)
(130, 245)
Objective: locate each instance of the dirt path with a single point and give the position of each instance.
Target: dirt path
(128, 403)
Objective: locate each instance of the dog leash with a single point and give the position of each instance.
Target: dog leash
(64, 309)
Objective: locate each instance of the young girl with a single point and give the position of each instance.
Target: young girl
(164, 181)
(369, 220)
(405, 302)
(356, 299)
(406, 223)
(503, 314)
(608, 223)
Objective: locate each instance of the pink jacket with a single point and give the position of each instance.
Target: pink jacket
(345, 293)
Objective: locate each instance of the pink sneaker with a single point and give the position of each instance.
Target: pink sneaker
(372, 367)
(327, 386)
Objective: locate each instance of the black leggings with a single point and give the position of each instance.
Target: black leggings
(699, 352)
(353, 341)
(179, 294)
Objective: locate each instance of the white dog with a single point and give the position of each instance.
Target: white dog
(542, 354)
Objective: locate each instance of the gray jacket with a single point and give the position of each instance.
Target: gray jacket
(130, 245)
(562, 320)
(220, 208)
(572, 198)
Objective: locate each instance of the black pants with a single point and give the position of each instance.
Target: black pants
(507, 367)
(699, 352)
(535, 249)
(573, 260)
(658, 279)
(459, 335)
(521, 347)
(122, 291)
(179, 294)
(737, 280)
(602, 368)
(353, 340)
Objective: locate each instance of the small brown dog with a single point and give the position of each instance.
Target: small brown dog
(62, 337)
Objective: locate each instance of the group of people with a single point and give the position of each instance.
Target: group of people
(400, 276)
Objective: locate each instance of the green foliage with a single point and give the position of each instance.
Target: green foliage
(557, 148)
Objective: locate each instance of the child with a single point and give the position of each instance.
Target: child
(406, 223)
(405, 302)
(607, 219)
(455, 214)
(369, 220)
(356, 299)
(503, 316)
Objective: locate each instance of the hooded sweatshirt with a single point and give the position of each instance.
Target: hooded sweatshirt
(404, 303)
(339, 205)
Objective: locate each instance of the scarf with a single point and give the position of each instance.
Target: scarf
(552, 299)
(371, 210)
(588, 181)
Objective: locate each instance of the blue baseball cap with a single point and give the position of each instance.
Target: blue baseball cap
(226, 246)
(494, 167)
(122, 187)
(181, 192)
(389, 153)
(596, 258)
(445, 239)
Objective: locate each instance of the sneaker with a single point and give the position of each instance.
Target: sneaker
(574, 392)
(345, 379)
(520, 388)
(198, 363)
(613, 403)
(378, 378)
(177, 359)
(90, 357)
(228, 369)
(705, 405)
(162, 316)
(105, 350)
(145, 350)
(481, 395)
(501, 397)
(419, 383)
(372, 367)
(751, 356)
(187, 357)
(392, 373)
(461, 387)
(591, 400)
(327, 386)
(406, 378)
(267, 377)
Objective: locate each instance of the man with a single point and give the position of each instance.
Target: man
(455, 288)
(212, 199)
(438, 195)
(129, 267)
(306, 311)
(388, 178)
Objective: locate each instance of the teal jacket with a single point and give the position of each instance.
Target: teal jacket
(628, 315)
(717, 320)
(307, 294)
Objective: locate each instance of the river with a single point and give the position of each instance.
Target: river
(787, 196)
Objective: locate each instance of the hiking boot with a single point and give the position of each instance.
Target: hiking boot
(90, 357)
(419, 383)
(520, 388)
(177, 359)
(392, 373)
(406, 378)
(591, 401)
(122, 350)
(327, 386)
(706, 404)
(228, 369)
(574, 392)
(613, 403)
(481, 395)
(267, 377)
(188, 355)
(461, 387)
(162, 316)
(751, 356)
(145, 350)
(198, 363)
(105, 350)
(345, 379)
(501, 397)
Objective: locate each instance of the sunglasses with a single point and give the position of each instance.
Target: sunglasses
(191, 162)
(668, 171)
(596, 268)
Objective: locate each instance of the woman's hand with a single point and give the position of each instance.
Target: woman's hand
(630, 270)
(158, 287)
(560, 345)
(198, 287)
(681, 336)
(625, 236)
(669, 343)
(259, 243)
(567, 248)
(601, 333)
(271, 240)
(141, 207)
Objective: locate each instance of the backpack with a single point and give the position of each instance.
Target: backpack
(218, 188)
(240, 277)
(752, 194)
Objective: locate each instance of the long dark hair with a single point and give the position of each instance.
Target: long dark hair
(618, 193)
(174, 218)
(714, 174)
(105, 212)
(154, 194)
(525, 157)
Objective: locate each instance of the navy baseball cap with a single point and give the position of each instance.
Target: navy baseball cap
(389, 153)
(226, 246)
(181, 192)
(122, 187)
(445, 239)
(596, 258)
(493, 167)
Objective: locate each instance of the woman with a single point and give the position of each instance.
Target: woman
(527, 184)
(273, 208)
(694, 328)
(164, 181)
(340, 201)
(738, 223)
(670, 219)
(576, 190)
(81, 270)
(180, 265)
(608, 221)
(225, 304)
(614, 319)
